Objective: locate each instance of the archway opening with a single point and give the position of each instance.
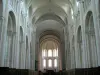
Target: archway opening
(26, 59)
(20, 46)
(79, 44)
(91, 40)
(11, 40)
(50, 53)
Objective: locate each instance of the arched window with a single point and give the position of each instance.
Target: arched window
(77, 3)
(49, 63)
(49, 53)
(55, 63)
(72, 13)
(44, 53)
(44, 63)
(54, 53)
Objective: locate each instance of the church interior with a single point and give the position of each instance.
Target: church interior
(49, 37)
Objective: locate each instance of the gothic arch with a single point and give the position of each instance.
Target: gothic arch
(91, 40)
(20, 45)
(79, 45)
(11, 39)
(26, 64)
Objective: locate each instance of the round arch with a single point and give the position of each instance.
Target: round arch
(11, 39)
(79, 45)
(91, 40)
(49, 43)
(20, 46)
(26, 59)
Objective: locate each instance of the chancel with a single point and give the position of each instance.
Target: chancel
(49, 37)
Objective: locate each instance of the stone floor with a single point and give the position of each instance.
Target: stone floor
(85, 71)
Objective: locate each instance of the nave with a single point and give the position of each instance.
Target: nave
(49, 37)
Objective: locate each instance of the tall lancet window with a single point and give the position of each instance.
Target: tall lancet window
(49, 53)
(49, 63)
(44, 53)
(55, 63)
(44, 63)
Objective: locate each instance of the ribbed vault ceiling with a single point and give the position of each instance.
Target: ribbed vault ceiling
(49, 14)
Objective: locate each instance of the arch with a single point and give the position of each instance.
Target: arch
(26, 42)
(49, 32)
(21, 34)
(79, 34)
(20, 46)
(31, 56)
(50, 16)
(26, 59)
(91, 40)
(11, 39)
(79, 45)
(49, 48)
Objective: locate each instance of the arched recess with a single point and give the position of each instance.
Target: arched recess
(1, 17)
(11, 39)
(26, 62)
(91, 40)
(79, 46)
(73, 63)
(49, 50)
(20, 46)
(31, 56)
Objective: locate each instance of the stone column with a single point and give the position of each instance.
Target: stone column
(1, 23)
(96, 16)
(33, 48)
